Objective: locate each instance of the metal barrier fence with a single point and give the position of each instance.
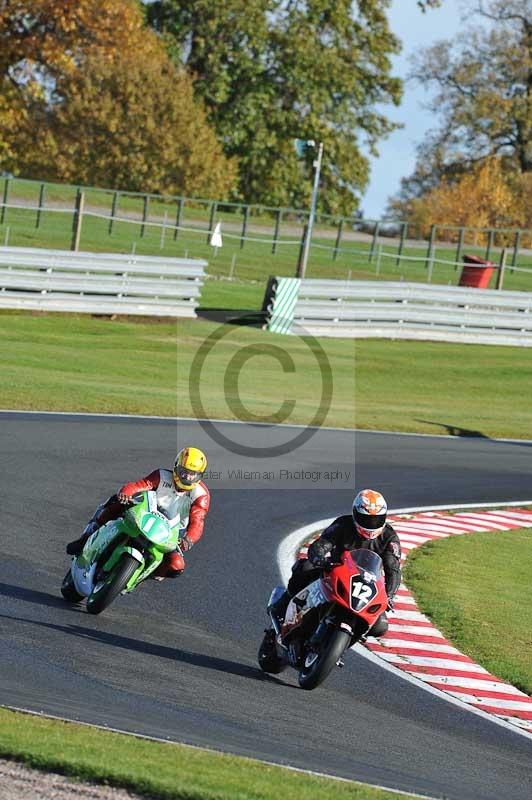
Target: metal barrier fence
(49, 215)
(399, 311)
(99, 283)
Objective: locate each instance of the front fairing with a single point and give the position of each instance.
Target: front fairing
(357, 584)
(329, 600)
(143, 522)
(143, 519)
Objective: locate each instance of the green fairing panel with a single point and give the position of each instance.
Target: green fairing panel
(117, 553)
(154, 526)
(99, 540)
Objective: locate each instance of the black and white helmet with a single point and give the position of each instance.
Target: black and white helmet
(369, 513)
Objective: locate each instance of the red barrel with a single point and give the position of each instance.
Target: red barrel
(478, 276)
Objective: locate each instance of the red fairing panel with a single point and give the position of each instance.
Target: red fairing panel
(337, 586)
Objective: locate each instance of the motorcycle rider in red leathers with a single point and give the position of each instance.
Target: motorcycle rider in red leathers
(365, 529)
(180, 492)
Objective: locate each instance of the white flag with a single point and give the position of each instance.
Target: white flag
(216, 238)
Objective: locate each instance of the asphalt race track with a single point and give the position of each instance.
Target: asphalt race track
(177, 659)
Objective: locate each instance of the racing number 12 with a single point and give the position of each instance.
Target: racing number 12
(361, 591)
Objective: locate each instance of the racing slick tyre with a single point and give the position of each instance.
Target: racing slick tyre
(104, 593)
(68, 590)
(318, 664)
(267, 655)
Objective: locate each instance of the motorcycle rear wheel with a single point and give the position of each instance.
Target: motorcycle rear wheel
(315, 673)
(98, 601)
(68, 590)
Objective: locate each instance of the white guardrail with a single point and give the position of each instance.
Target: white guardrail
(99, 283)
(398, 310)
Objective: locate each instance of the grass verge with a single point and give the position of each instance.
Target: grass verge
(159, 770)
(76, 363)
(476, 590)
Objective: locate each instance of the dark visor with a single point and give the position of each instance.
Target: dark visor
(187, 476)
(371, 523)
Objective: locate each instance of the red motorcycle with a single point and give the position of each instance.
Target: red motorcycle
(325, 618)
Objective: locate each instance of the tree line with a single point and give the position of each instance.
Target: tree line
(197, 97)
(205, 98)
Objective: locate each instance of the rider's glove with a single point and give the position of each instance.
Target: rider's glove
(123, 498)
(319, 553)
(185, 544)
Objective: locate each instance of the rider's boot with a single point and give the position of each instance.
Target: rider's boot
(74, 548)
(172, 565)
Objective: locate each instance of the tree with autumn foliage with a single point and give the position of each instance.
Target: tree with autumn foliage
(489, 196)
(89, 95)
(482, 103)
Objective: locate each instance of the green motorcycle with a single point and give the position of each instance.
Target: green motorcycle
(121, 554)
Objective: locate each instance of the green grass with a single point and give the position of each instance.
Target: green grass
(77, 363)
(476, 590)
(68, 362)
(157, 770)
(432, 387)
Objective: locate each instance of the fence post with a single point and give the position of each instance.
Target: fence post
(404, 228)
(4, 200)
(244, 226)
(77, 220)
(431, 265)
(459, 248)
(517, 245)
(338, 238)
(379, 256)
(374, 242)
(300, 260)
(163, 229)
(114, 206)
(490, 244)
(41, 204)
(278, 220)
(430, 250)
(145, 205)
(179, 214)
(502, 267)
(214, 209)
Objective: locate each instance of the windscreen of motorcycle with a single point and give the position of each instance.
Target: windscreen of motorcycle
(369, 562)
(364, 585)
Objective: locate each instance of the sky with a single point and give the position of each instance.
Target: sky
(397, 154)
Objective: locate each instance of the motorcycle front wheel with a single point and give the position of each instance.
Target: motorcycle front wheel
(317, 665)
(106, 592)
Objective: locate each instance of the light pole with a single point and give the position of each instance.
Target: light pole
(302, 265)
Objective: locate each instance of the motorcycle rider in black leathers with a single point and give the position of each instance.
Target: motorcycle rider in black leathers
(365, 529)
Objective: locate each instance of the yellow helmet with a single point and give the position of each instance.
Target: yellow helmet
(189, 467)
